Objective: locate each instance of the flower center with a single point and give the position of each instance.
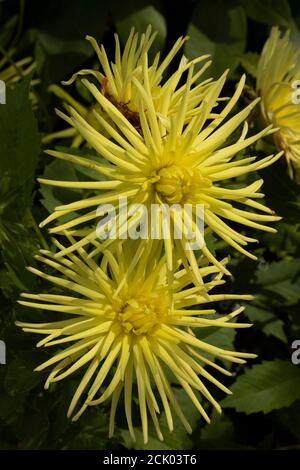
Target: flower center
(142, 314)
(179, 185)
(126, 108)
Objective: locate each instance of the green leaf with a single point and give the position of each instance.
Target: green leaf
(221, 337)
(91, 432)
(265, 387)
(9, 405)
(282, 280)
(277, 272)
(277, 183)
(267, 321)
(290, 418)
(287, 240)
(271, 12)
(19, 245)
(219, 429)
(219, 435)
(249, 62)
(55, 196)
(88, 154)
(32, 427)
(57, 57)
(20, 143)
(7, 31)
(20, 375)
(55, 45)
(63, 170)
(287, 290)
(220, 31)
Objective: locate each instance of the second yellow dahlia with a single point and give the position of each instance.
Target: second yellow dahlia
(121, 330)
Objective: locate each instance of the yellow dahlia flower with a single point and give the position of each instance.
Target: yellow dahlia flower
(277, 75)
(170, 163)
(124, 332)
(115, 81)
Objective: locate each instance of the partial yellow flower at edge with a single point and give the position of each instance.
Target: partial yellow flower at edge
(123, 333)
(116, 82)
(116, 78)
(171, 162)
(278, 70)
